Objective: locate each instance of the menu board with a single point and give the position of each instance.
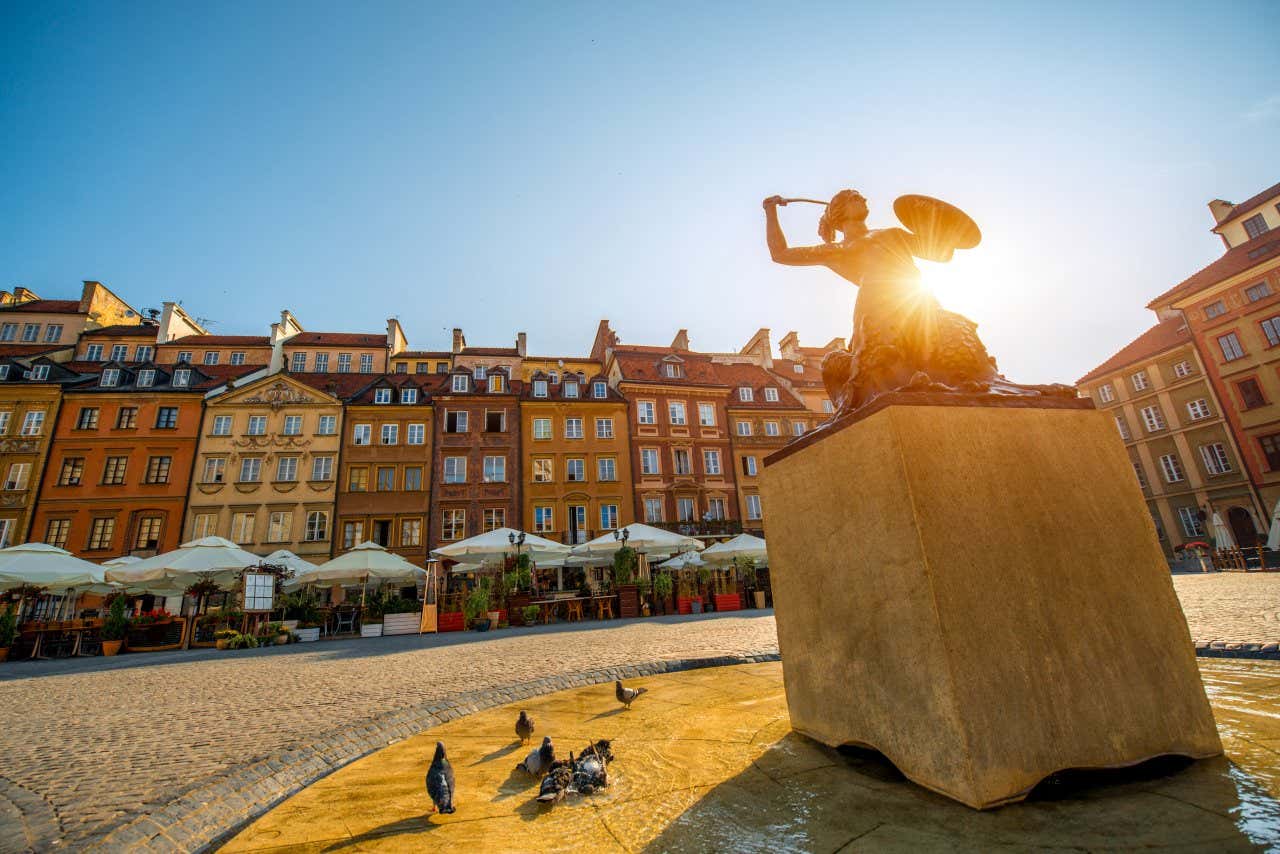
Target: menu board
(259, 591)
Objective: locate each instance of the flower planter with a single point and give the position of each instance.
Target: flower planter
(4, 653)
(371, 630)
(759, 597)
(516, 605)
(310, 635)
(451, 621)
(728, 601)
(111, 647)
(495, 618)
(695, 607)
(684, 604)
(401, 624)
(628, 600)
(222, 643)
(480, 625)
(281, 640)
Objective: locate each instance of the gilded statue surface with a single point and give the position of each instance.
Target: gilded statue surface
(902, 339)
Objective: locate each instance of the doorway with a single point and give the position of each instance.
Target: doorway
(1246, 536)
(382, 532)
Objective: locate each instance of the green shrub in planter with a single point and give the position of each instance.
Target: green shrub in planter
(531, 613)
(116, 624)
(8, 626)
(625, 562)
(662, 585)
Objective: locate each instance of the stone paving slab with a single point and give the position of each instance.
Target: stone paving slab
(1231, 607)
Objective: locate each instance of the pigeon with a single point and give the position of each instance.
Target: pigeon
(539, 761)
(557, 783)
(626, 696)
(524, 727)
(589, 774)
(440, 781)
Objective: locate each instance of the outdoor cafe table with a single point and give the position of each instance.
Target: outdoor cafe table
(548, 606)
(43, 629)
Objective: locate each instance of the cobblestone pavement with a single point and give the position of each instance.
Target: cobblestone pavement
(90, 745)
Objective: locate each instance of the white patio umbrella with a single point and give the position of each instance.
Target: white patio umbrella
(1221, 534)
(1273, 538)
(123, 560)
(366, 562)
(643, 538)
(743, 545)
(496, 544)
(48, 566)
(464, 568)
(209, 557)
(684, 560)
(284, 557)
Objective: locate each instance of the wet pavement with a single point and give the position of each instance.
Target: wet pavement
(706, 761)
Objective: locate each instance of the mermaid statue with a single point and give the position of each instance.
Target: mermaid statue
(902, 340)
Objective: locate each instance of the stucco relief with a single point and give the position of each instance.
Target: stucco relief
(279, 394)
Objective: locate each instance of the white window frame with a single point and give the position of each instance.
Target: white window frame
(1153, 418)
(1198, 409)
(646, 412)
(1172, 469)
(455, 470)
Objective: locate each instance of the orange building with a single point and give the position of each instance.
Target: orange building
(801, 368)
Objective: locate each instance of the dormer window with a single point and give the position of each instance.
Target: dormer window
(746, 395)
(496, 384)
(459, 383)
(479, 372)
(539, 388)
(382, 395)
(110, 377)
(671, 369)
(408, 395)
(146, 377)
(1255, 225)
(40, 372)
(182, 378)
(571, 388)
(771, 395)
(599, 389)
(4, 372)
(799, 369)
(555, 377)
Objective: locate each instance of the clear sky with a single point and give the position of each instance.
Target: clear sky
(539, 166)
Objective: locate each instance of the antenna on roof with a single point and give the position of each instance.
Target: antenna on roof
(204, 321)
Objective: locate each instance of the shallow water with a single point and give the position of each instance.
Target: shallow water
(706, 761)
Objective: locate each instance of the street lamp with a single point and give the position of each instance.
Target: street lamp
(622, 535)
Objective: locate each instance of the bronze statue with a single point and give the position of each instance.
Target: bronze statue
(902, 340)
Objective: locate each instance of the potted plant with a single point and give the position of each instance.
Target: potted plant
(662, 585)
(115, 627)
(8, 630)
(371, 618)
(300, 608)
(222, 638)
(476, 606)
(401, 616)
(531, 614)
(625, 561)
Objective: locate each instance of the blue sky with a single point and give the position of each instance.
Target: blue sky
(540, 166)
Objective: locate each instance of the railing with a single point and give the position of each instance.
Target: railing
(702, 527)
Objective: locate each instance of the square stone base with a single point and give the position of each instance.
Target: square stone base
(978, 593)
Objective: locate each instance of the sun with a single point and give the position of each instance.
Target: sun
(968, 284)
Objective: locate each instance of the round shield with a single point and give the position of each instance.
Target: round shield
(941, 228)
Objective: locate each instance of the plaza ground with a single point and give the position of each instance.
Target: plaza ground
(104, 750)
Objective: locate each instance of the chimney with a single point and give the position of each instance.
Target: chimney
(86, 296)
(606, 339)
(681, 341)
(459, 341)
(789, 347)
(760, 347)
(1220, 209)
(521, 341)
(21, 294)
(835, 344)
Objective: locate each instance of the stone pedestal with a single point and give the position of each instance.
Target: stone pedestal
(977, 592)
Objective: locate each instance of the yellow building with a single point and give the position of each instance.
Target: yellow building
(25, 318)
(801, 368)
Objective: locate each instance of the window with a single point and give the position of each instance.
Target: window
(495, 469)
(1271, 450)
(382, 395)
(113, 470)
(453, 524)
(357, 479)
(71, 472)
(1172, 468)
(753, 507)
(1105, 393)
(205, 525)
(410, 532)
(119, 352)
(158, 469)
(237, 357)
(317, 526)
(321, 468)
(771, 395)
(749, 467)
(322, 366)
(706, 414)
(148, 533)
(242, 525)
(1215, 458)
(493, 519)
(604, 428)
(416, 434)
(57, 531)
(222, 425)
(539, 388)
(1255, 225)
(675, 412)
(1251, 394)
(10, 331)
(496, 384)
(745, 394)
(181, 378)
(146, 378)
(608, 516)
(257, 425)
(1142, 476)
(1259, 291)
(53, 333)
(570, 388)
(1231, 349)
(684, 510)
(4, 422)
(1198, 409)
(599, 389)
(543, 519)
(298, 364)
(455, 422)
(143, 353)
(18, 476)
(408, 395)
(211, 357)
(386, 478)
(744, 428)
(1214, 309)
(361, 434)
(215, 469)
(455, 469)
(1123, 427)
(575, 470)
(1153, 418)
(39, 372)
(715, 508)
(167, 418)
(459, 383)
(1140, 381)
(184, 356)
(4, 372)
(287, 469)
(672, 370)
(344, 363)
(543, 471)
(771, 428)
(711, 461)
(110, 377)
(88, 418)
(797, 428)
(328, 425)
(495, 422)
(127, 418)
(293, 425)
(645, 412)
(92, 353)
(542, 428)
(606, 469)
(1190, 519)
(683, 465)
(442, 367)
(31, 332)
(573, 428)
(32, 423)
(1182, 369)
(101, 534)
(352, 534)
(649, 461)
(390, 434)
(413, 478)
(250, 469)
(479, 372)
(653, 510)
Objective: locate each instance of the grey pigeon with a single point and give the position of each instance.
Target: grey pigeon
(589, 772)
(557, 783)
(626, 696)
(440, 781)
(539, 761)
(524, 727)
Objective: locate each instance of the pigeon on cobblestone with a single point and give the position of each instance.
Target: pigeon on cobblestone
(626, 696)
(539, 761)
(557, 783)
(589, 772)
(440, 781)
(524, 727)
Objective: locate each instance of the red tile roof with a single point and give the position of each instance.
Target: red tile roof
(1265, 196)
(23, 350)
(491, 351)
(337, 339)
(423, 354)
(147, 330)
(342, 386)
(809, 377)
(757, 379)
(1264, 247)
(46, 306)
(219, 341)
(644, 365)
(204, 377)
(427, 385)
(1159, 338)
